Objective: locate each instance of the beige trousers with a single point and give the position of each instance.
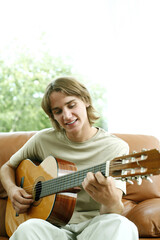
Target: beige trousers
(103, 227)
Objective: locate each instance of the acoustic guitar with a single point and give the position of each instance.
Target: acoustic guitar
(53, 184)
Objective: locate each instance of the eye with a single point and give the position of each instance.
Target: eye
(57, 111)
(72, 105)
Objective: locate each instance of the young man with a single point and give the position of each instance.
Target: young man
(97, 214)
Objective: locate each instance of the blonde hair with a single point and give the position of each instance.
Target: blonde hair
(71, 87)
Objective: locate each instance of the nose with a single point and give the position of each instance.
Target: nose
(66, 114)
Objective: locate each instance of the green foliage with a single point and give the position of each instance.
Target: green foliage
(99, 99)
(22, 84)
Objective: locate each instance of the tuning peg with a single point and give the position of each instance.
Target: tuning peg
(143, 157)
(125, 161)
(129, 181)
(133, 159)
(139, 180)
(144, 150)
(134, 152)
(124, 172)
(149, 179)
(143, 170)
(133, 171)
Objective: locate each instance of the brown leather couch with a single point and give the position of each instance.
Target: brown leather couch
(142, 203)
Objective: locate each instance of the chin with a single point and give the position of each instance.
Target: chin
(73, 130)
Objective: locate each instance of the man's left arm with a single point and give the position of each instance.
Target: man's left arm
(104, 191)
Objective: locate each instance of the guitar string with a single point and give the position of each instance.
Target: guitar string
(49, 187)
(63, 179)
(59, 184)
(55, 187)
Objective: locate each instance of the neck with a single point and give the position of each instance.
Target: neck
(82, 137)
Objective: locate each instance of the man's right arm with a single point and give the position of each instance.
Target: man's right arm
(20, 199)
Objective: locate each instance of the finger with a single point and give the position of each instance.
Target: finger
(89, 187)
(90, 183)
(97, 180)
(90, 176)
(100, 178)
(21, 208)
(110, 182)
(26, 195)
(24, 198)
(104, 181)
(91, 180)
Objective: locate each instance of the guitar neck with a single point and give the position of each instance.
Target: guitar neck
(68, 181)
(142, 164)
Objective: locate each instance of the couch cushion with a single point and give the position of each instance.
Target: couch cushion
(146, 216)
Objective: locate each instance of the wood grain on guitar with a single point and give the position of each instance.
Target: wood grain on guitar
(54, 184)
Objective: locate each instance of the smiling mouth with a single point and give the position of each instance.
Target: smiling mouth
(71, 122)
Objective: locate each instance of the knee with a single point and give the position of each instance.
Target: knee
(29, 225)
(23, 230)
(125, 221)
(122, 222)
(118, 222)
(121, 225)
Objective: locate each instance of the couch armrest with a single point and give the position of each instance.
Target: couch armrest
(11, 142)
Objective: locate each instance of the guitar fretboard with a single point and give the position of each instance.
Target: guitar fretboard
(68, 181)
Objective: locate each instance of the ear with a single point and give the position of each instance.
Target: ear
(87, 105)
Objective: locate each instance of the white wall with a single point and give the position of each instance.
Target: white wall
(134, 96)
(113, 42)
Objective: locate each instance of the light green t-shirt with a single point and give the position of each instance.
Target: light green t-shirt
(100, 148)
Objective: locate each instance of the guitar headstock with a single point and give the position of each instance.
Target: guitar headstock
(136, 166)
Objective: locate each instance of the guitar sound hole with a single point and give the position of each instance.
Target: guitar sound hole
(38, 189)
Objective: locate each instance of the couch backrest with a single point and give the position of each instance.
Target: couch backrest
(138, 142)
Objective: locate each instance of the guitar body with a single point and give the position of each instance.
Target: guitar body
(56, 208)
